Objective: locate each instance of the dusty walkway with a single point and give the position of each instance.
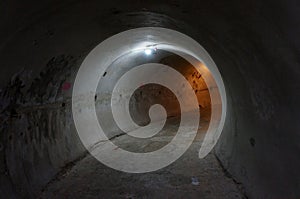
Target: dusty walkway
(91, 179)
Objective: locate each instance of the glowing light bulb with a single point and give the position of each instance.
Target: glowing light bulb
(148, 51)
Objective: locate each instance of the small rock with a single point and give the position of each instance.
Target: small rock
(195, 181)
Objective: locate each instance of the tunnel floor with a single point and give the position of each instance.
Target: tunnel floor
(188, 177)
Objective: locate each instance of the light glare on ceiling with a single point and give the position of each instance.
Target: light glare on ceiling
(148, 51)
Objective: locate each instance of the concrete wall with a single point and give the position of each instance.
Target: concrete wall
(147, 95)
(254, 44)
(37, 131)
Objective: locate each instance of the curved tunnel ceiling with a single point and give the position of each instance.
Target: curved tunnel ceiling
(254, 44)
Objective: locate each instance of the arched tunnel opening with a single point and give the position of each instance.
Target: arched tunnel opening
(154, 108)
(147, 95)
(224, 74)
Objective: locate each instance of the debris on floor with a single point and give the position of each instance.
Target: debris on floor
(195, 181)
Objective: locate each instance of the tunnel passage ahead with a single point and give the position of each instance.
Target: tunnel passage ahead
(255, 45)
(150, 94)
(128, 48)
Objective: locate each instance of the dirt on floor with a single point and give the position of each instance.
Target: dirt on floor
(188, 177)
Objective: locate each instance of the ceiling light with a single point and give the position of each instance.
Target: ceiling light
(148, 51)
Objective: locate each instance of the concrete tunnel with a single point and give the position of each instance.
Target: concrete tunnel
(254, 46)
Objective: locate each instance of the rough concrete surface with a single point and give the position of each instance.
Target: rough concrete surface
(90, 179)
(254, 43)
